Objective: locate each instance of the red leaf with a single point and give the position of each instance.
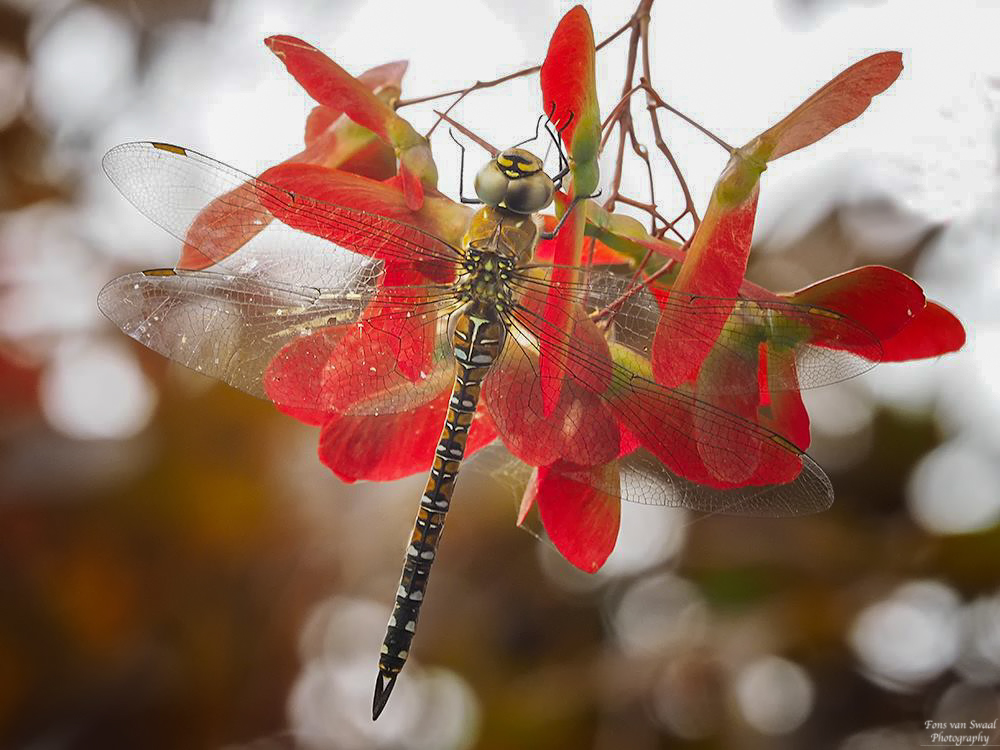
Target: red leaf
(331, 85)
(579, 429)
(554, 350)
(723, 367)
(439, 216)
(320, 119)
(332, 369)
(784, 412)
(713, 266)
(409, 334)
(666, 428)
(932, 332)
(295, 376)
(334, 87)
(337, 187)
(881, 299)
(233, 219)
(392, 446)
(581, 521)
(413, 191)
(223, 227)
(375, 79)
(716, 261)
(837, 103)
(567, 74)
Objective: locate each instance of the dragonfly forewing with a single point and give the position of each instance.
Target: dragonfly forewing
(216, 210)
(252, 334)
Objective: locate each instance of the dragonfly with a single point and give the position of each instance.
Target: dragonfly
(464, 326)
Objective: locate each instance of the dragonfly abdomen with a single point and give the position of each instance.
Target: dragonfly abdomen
(477, 341)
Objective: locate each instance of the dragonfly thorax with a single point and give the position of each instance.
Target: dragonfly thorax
(485, 278)
(502, 231)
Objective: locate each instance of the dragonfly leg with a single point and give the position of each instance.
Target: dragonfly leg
(461, 172)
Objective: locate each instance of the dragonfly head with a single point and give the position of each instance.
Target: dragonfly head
(515, 180)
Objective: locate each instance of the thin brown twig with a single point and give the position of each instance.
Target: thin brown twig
(643, 153)
(649, 208)
(612, 307)
(503, 79)
(486, 145)
(623, 114)
(693, 123)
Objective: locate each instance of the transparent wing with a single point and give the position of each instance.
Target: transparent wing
(671, 447)
(225, 217)
(823, 345)
(243, 330)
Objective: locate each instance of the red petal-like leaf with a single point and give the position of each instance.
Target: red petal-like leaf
(320, 119)
(783, 412)
(439, 216)
(569, 94)
(223, 227)
(667, 430)
(714, 267)
(881, 299)
(295, 375)
(554, 350)
(723, 367)
(375, 79)
(392, 446)
(567, 74)
(837, 103)
(233, 219)
(331, 85)
(578, 430)
(580, 520)
(716, 261)
(932, 332)
(409, 333)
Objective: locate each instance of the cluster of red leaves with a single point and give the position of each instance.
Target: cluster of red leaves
(354, 142)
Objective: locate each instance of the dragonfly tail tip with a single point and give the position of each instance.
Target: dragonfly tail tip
(383, 687)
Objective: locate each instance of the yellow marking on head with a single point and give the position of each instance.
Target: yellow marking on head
(504, 161)
(169, 147)
(160, 272)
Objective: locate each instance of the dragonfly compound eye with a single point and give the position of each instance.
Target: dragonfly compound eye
(527, 195)
(491, 184)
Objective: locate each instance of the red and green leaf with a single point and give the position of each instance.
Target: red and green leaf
(841, 100)
(332, 86)
(716, 261)
(438, 216)
(382, 79)
(569, 94)
(235, 218)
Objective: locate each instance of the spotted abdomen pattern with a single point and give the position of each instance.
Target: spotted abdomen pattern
(477, 341)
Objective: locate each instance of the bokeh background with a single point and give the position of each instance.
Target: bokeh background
(177, 570)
